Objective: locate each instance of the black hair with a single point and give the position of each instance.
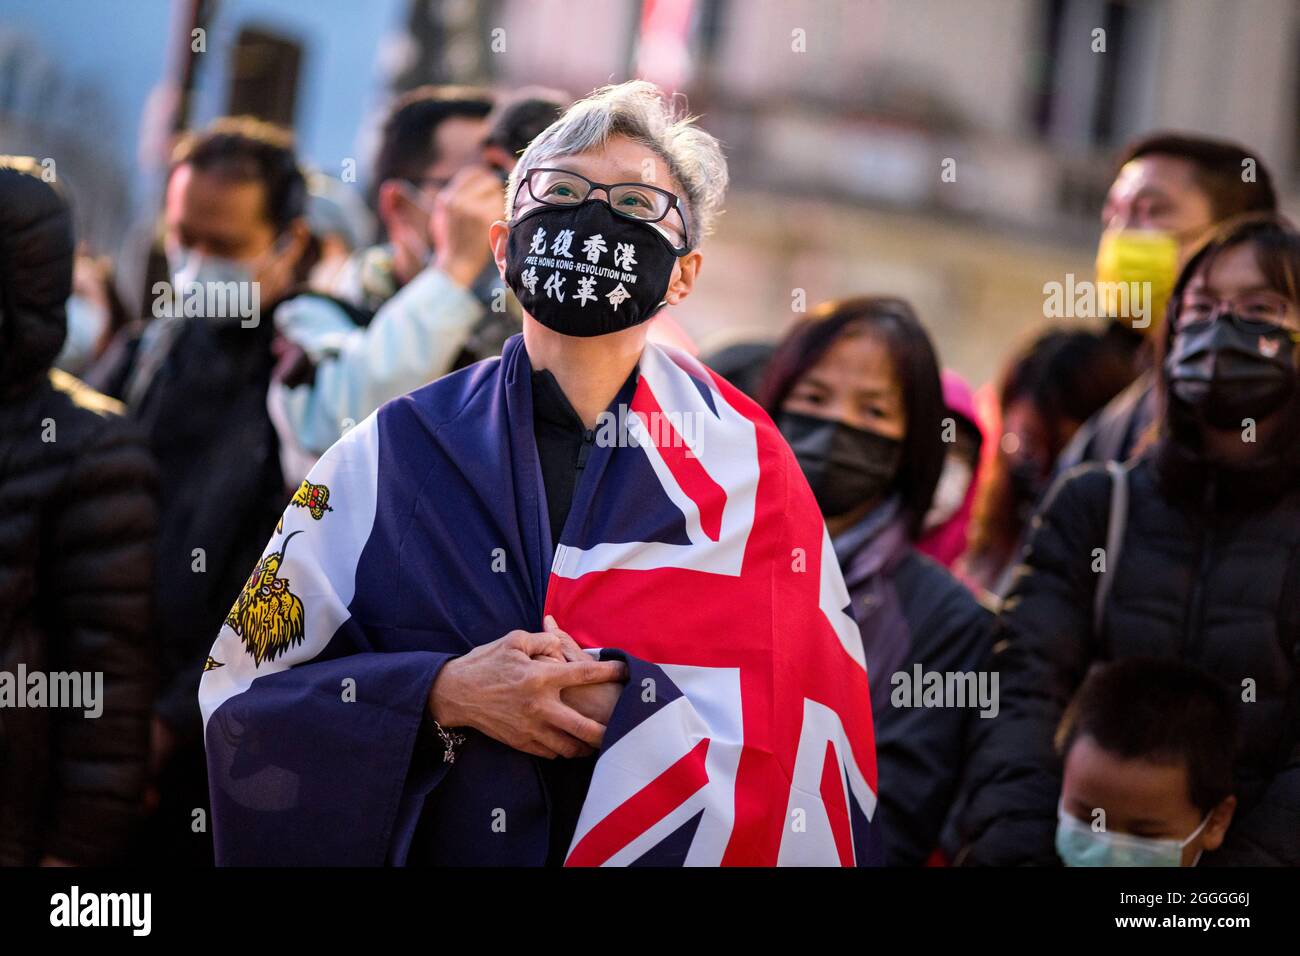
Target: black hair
(896, 326)
(1277, 250)
(520, 122)
(1276, 244)
(1066, 375)
(1161, 710)
(1218, 167)
(245, 149)
(408, 141)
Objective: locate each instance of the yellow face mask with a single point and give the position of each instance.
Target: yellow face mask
(1136, 271)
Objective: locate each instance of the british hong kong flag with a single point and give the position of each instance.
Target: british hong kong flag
(693, 550)
(748, 739)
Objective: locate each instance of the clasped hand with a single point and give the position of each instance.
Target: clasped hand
(535, 692)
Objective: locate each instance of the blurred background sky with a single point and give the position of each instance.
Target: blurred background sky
(836, 135)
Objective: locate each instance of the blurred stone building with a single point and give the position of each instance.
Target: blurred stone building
(839, 115)
(951, 151)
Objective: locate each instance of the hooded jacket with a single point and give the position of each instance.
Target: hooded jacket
(76, 539)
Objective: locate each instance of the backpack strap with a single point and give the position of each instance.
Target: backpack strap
(1289, 630)
(1115, 525)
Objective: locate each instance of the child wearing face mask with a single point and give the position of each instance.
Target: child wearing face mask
(1190, 551)
(855, 390)
(1148, 747)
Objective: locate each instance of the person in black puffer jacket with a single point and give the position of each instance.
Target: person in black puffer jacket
(76, 558)
(1207, 570)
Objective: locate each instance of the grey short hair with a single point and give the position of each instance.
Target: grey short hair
(638, 110)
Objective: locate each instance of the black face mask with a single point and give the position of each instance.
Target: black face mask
(845, 466)
(1231, 369)
(581, 270)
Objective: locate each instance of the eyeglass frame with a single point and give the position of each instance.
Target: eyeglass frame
(1228, 306)
(606, 187)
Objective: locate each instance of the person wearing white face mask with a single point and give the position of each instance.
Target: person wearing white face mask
(954, 482)
(234, 238)
(94, 314)
(1148, 746)
(87, 321)
(428, 136)
(196, 381)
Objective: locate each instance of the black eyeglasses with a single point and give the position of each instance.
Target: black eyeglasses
(636, 201)
(1256, 311)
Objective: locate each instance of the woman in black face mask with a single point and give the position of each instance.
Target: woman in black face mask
(1189, 551)
(855, 390)
(1230, 367)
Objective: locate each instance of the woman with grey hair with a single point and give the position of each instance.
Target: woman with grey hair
(581, 593)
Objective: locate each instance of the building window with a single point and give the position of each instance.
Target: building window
(1094, 79)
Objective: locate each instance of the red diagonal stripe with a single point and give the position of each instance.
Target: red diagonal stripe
(660, 797)
(837, 809)
(696, 483)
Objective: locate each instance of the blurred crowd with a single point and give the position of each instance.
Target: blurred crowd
(1112, 527)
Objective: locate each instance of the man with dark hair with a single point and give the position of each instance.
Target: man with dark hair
(1228, 175)
(399, 313)
(196, 381)
(1148, 746)
(421, 129)
(517, 121)
(1170, 190)
(426, 302)
(248, 150)
(430, 134)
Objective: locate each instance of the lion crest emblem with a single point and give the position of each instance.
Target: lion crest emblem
(267, 616)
